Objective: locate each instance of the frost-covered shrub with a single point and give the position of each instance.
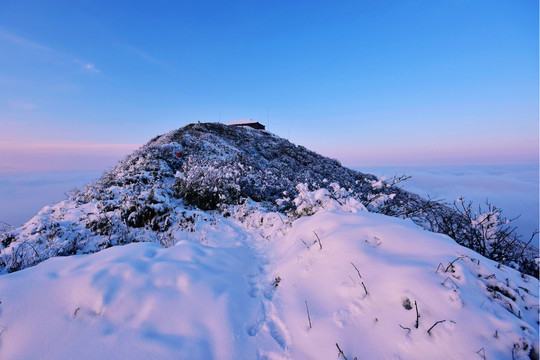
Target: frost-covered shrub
(492, 235)
(208, 183)
(309, 202)
(7, 239)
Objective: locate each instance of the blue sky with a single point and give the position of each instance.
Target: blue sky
(366, 82)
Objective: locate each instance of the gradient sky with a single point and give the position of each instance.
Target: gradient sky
(366, 82)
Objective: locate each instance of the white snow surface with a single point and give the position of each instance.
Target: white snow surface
(241, 287)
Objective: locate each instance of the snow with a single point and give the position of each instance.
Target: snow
(242, 286)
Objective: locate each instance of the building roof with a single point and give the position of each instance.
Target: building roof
(243, 122)
(250, 123)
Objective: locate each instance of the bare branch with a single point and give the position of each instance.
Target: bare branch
(417, 314)
(482, 353)
(405, 328)
(319, 240)
(448, 278)
(365, 288)
(452, 263)
(360, 276)
(309, 317)
(438, 322)
(341, 352)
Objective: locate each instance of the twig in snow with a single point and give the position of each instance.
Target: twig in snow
(340, 352)
(452, 263)
(483, 354)
(405, 328)
(309, 317)
(437, 322)
(319, 240)
(417, 314)
(305, 243)
(360, 276)
(450, 280)
(438, 267)
(365, 288)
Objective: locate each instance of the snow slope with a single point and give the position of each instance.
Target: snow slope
(243, 289)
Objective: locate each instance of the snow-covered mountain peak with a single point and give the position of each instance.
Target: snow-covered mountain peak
(214, 167)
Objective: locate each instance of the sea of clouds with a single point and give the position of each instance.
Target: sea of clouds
(513, 188)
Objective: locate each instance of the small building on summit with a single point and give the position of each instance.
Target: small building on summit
(250, 123)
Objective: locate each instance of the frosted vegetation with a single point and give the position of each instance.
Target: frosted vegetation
(248, 247)
(145, 197)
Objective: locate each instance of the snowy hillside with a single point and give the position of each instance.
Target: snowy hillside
(343, 280)
(238, 244)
